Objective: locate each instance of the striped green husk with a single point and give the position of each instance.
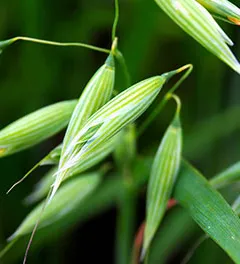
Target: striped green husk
(106, 122)
(35, 127)
(197, 22)
(42, 188)
(228, 176)
(223, 8)
(209, 209)
(162, 178)
(97, 92)
(69, 197)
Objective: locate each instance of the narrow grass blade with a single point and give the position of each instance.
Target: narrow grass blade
(236, 206)
(205, 135)
(224, 9)
(204, 237)
(208, 208)
(198, 23)
(162, 178)
(228, 176)
(35, 127)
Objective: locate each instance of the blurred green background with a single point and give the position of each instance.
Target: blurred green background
(33, 76)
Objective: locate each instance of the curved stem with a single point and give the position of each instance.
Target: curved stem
(123, 64)
(6, 43)
(177, 101)
(116, 18)
(165, 99)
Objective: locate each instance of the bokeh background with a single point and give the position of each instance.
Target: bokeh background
(33, 76)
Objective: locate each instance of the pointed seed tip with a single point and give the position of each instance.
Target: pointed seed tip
(9, 239)
(110, 61)
(234, 20)
(2, 151)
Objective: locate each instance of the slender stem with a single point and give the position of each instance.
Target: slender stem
(123, 64)
(35, 227)
(116, 18)
(125, 224)
(194, 248)
(189, 68)
(178, 102)
(116, 52)
(25, 176)
(55, 43)
(165, 99)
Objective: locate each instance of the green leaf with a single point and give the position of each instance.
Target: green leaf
(208, 208)
(198, 23)
(228, 176)
(205, 135)
(163, 176)
(35, 127)
(236, 206)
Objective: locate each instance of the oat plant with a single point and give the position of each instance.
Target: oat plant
(114, 153)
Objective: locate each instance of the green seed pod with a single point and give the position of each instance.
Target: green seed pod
(99, 154)
(35, 127)
(162, 178)
(69, 197)
(106, 122)
(97, 92)
(198, 23)
(223, 9)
